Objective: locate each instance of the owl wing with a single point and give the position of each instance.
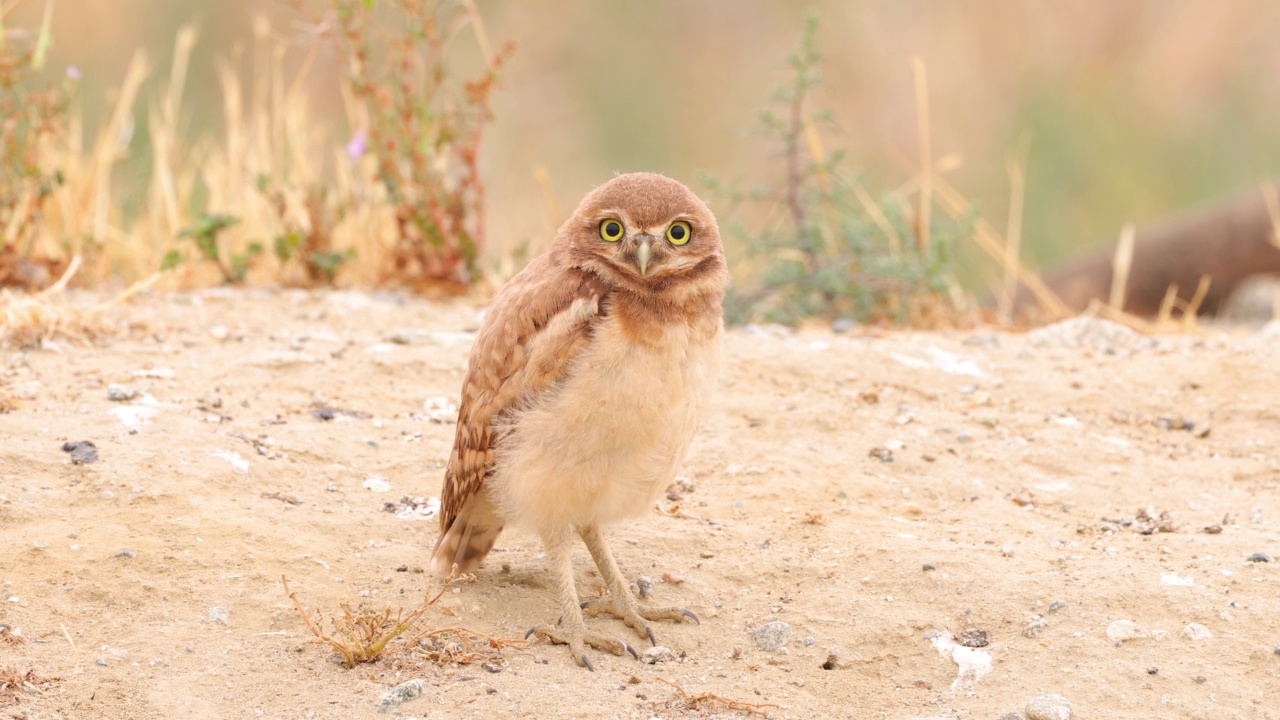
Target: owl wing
(532, 332)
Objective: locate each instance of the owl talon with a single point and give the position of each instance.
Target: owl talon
(632, 650)
(530, 631)
(691, 616)
(652, 640)
(586, 661)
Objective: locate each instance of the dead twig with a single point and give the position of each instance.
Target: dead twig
(695, 702)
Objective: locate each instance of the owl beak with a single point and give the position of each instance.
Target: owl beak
(644, 253)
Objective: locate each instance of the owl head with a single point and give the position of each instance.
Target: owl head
(644, 231)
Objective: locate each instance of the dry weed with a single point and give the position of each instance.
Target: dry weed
(362, 636)
(682, 700)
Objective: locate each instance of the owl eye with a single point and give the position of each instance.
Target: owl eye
(611, 230)
(679, 233)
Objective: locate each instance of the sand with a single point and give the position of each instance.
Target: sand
(882, 493)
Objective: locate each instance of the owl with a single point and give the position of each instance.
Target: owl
(587, 380)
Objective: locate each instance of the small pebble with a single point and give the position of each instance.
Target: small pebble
(656, 654)
(928, 566)
(1199, 679)
(1153, 670)
(127, 552)
(100, 662)
(644, 586)
(1196, 631)
(404, 692)
(809, 641)
(1122, 630)
(82, 452)
(120, 393)
(1056, 605)
(219, 614)
(1260, 557)
(1049, 707)
(1011, 716)
(771, 636)
(492, 666)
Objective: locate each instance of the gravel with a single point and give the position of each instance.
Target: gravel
(82, 452)
(120, 393)
(656, 654)
(644, 586)
(402, 693)
(1260, 557)
(220, 615)
(1049, 707)
(771, 636)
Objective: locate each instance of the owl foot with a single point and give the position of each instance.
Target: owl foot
(577, 639)
(634, 614)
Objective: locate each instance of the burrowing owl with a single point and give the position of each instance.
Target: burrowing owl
(585, 385)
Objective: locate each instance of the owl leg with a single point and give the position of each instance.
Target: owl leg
(621, 603)
(570, 630)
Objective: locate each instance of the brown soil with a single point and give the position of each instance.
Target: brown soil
(1022, 470)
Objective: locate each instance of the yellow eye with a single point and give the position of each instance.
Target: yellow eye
(679, 233)
(611, 230)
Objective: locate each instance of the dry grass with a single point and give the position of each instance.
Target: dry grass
(40, 320)
(15, 683)
(315, 203)
(364, 635)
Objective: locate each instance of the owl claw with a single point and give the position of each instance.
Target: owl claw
(632, 650)
(586, 661)
(652, 640)
(690, 615)
(531, 631)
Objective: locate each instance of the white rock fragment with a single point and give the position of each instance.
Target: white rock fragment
(1176, 580)
(376, 484)
(1123, 630)
(1196, 631)
(234, 458)
(134, 417)
(973, 663)
(656, 654)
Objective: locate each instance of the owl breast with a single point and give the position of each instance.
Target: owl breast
(607, 440)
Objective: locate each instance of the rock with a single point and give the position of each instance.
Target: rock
(1015, 715)
(928, 567)
(1049, 707)
(644, 586)
(120, 393)
(127, 552)
(100, 662)
(492, 666)
(1260, 557)
(1122, 630)
(220, 615)
(402, 693)
(1088, 332)
(82, 452)
(771, 636)
(656, 654)
(1196, 631)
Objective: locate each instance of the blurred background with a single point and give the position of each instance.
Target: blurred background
(1123, 111)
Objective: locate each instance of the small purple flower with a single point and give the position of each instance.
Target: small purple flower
(357, 145)
(73, 72)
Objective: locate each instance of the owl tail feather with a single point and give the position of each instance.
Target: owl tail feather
(465, 544)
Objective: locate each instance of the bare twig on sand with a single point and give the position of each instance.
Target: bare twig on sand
(696, 702)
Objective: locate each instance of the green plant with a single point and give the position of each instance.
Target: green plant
(837, 253)
(205, 234)
(31, 114)
(423, 127)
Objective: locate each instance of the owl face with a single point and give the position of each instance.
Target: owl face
(643, 229)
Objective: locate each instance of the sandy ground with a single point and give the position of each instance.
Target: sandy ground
(869, 489)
